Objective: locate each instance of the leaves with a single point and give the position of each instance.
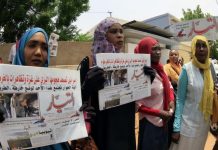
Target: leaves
(194, 14)
(51, 15)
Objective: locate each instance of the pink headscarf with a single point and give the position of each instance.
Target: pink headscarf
(100, 44)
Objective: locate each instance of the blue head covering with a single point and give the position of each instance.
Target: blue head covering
(19, 57)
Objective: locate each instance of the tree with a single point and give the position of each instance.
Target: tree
(195, 14)
(52, 15)
(198, 14)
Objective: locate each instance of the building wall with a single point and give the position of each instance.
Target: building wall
(161, 22)
(4, 51)
(69, 53)
(185, 54)
(184, 51)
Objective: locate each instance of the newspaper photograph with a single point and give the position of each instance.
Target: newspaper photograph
(40, 106)
(125, 79)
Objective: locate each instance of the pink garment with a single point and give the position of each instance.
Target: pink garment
(88, 124)
(155, 101)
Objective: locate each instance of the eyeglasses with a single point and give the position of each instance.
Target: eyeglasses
(114, 31)
(201, 45)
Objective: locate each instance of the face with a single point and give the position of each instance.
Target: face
(155, 53)
(181, 61)
(201, 51)
(23, 103)
(173, 56)
(36, 50)
(115, 36)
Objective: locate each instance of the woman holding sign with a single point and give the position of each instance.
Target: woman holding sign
(158, 108)
(114, 128)
(33, 51)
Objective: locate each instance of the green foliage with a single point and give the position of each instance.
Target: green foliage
(83, 37)
(214, 49)
(52, 15)
(194, 14)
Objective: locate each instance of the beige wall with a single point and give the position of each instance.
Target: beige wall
(69, 53)
(4, 51)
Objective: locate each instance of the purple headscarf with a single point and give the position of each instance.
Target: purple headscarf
(100, 44)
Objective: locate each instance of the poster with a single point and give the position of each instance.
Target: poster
(125, 79)
(186, 30)
(53, 44)
(41, 106)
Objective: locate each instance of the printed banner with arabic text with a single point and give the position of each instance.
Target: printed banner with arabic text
(125, 79)
(41, 106)
(186, 30)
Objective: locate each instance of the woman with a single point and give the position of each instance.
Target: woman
(194, 99)
(158, 108)
(181, 61)
(114, 128)
(173, 68)
(33, 51)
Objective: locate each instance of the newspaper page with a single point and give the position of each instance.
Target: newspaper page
(125, 79)
(41, 106)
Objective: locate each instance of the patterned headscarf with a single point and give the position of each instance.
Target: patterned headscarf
(19, 57)
(100, 44)
(206, 103)
(145, 47)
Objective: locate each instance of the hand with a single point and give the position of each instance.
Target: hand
(175, 137)
(165, 115)
(89, 114)
(2, 118)
(149, 71)
(90, 111)
(94, 81)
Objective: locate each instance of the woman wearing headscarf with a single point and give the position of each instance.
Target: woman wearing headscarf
(194, 99)
(173, 68)
(157, 109)
(114, 128)
(33, 51)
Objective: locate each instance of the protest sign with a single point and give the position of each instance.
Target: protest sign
(125, 79)
(41, 106)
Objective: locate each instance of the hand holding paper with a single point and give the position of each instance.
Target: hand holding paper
(150, 72)
(94, 81)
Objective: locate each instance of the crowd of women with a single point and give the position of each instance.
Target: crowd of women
(187, 91)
